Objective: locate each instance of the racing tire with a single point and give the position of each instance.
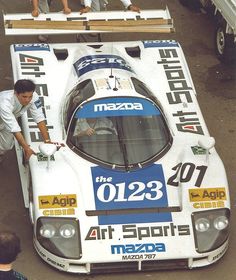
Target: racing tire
(224, 44)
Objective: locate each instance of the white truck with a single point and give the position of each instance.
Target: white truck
(224, 12)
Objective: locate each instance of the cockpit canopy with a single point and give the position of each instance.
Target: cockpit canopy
(119, 132)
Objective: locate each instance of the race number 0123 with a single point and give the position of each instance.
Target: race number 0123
(137, 191)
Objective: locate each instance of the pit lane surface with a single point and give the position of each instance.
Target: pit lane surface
(215, 84)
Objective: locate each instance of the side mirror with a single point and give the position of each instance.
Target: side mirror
(207, 143)
(47, 149)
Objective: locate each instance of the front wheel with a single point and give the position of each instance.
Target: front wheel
(224, 44)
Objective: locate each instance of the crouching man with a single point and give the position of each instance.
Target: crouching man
(13, 103)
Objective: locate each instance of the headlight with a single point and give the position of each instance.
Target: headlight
(47, 231)
(59, 236)
(67, 231)
(202, 224)
(211, 229)
(221, 223)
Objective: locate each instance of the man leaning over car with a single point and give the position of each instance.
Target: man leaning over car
(13, 103)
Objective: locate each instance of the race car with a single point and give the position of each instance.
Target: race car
(134, 182)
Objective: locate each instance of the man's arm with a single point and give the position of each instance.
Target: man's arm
(43, 129)
(129, 6)
(21, 140)
(87, 8)
(35, 11)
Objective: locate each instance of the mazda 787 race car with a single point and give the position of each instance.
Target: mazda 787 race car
(134, 183)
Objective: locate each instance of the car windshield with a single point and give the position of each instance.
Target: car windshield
(120, 132)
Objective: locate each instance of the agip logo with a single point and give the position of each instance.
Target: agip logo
(208, 198)
(57, 201)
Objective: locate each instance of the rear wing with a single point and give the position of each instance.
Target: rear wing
(158, 21)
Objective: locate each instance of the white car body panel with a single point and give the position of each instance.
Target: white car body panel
(66, 187)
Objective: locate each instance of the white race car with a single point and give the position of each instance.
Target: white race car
(137, 184)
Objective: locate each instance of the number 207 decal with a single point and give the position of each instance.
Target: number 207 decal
(184, 173)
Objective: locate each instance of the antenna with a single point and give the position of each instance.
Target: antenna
(115, 88)
(111, 75)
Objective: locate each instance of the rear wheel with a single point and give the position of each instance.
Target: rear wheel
(224, 43)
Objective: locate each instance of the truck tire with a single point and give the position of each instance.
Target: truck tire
(224, 44)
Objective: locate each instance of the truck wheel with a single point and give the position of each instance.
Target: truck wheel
(224, 44)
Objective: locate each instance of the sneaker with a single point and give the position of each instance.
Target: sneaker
(43, 38)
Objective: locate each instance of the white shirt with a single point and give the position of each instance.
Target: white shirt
(11, 109)
(101, 124)
(126, 3)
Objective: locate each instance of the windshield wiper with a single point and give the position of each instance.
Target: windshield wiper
(120, 132)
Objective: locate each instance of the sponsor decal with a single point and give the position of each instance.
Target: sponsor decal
(38, 103)
(184, 172)
(137, 248)
(197, 150)
(32, 66)
(209, 204)
(100, 233)
(180, 92)
(31, 47)
(138, 257)
(42, 157)
(114, 190)
(54, 263)
(57, 201)
(219, 255)
(93, 62)
(206, 194)
(188, 122)
(133, 231)
(59, 212)
(159, 43)
(207, 197)
(117, 107)
(137, 232)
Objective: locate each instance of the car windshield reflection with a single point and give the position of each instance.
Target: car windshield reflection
(125, 137)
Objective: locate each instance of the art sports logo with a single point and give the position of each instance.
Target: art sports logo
(93, 62)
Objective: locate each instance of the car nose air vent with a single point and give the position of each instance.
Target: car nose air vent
(61, 54)
(134, 51)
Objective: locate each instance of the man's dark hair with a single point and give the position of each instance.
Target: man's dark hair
(24, 85)
(9, 247)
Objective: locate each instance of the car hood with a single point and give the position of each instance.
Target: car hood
(116, 197)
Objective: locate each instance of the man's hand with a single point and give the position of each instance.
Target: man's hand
(90, 131)
(35, 13)
(85, 10)
(67, 11)
(134, 8)
(28, 153)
